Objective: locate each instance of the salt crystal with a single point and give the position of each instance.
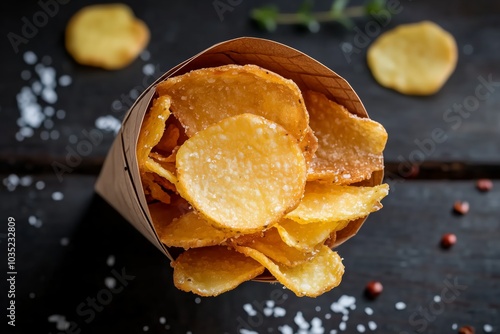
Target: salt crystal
(268, 311)
(317, 308)
(26, 181)
(30, 57)
(368, 310)
(163, 320)
(148, 69)
(345, 317)
(249, 309)
(279, 312)
(488, 328)
(145, 328)
(400, 306)
(246, 331)
(110, 261)
(54, 134)
(60, 320)
(64, 242)
(300, 321)
(32, 295)
(145, 55)
(49, 95)
(60, 114)
(360, 328)
(110, 282)
(285, 329)
(372, 325)
(57, 196)
(40, 185)
(454, 326)
(197, 300)
(48, 124)
(328, 316)
(49, 111)
(270, 303)
(108, 123)
(342, 326)
(134, 93)
(437, 298)
(65, 80)
(25, 75)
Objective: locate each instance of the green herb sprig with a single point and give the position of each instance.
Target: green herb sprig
(269, 17)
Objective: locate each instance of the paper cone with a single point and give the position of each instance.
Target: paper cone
(119, 182)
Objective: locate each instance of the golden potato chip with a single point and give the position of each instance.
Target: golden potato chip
(309, 145)
(414, 59)
(153, 189)
(323, 202)
(243, 173)
(306, 237)
(311, 278)
(191, 231)
(107, 36)
(152, 128)
(210, 271)
(349, 147)
(271, 245)
(163, 214)
(160, 169)
(203, 97)
(169, 139)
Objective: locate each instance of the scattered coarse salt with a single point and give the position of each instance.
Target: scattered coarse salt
(268, 311)
(368, 310)
(39, 185)
(279, 312)
(487, 328)
(345, 317)
(372, 325)
(30, 57)
(285, 329)
(300, 321)
(110, 282)
(437, 298)
(34, 221)
(360, 328)
(60, 114)
(454, 326)
(328, 316)
(108, 123)
(32, 295)
(148, 69)
(64, 241)
(342, 326)
(317, 308)
(249, 309)
(246, 331)
(57, 196)
(197, 300)
(163, 320)
(26, 181)
(145, 328)
(400, 306)
(110, 261)
(60, 320)
(65, 80)
(145, 55)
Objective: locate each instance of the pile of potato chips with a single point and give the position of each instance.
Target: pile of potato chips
(246, 173)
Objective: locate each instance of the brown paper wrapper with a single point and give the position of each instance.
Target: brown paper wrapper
(119, 182)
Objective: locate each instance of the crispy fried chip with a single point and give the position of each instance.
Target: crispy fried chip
(350, 147)
(414, 59)
(324, 202)
(243, 173)
(153, 188)
(152, 128)
(306, 237)
(311, 278)
(107, 36)
(164, 170)
(163, 214)
(271, 245)
(191, 231)
(169, 139)
(210, 271)
(206, 96)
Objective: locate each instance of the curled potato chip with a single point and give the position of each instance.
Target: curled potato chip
(107, 36)
(349, 147)
(271, 245)
(153, 188)
(191, 231)
(306, 237)
(210, 271)
(323, 202)
(414, 59)
(152, 128)
(320, 274)
(165, 170)
(242, 173)
(204, 97)
(163, 214)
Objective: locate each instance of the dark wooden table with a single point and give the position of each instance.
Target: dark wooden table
(81, 268)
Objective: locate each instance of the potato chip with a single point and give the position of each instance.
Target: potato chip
(271, 245)
(164, 170)
(152, 128)
(309, 145)
(210, 271)
(163, 214)
(204, 97)
(325, 202)
(152, 188)
(107, 36)
(306, 237)
(415, 59)
(191, 231)
(243, 173)
(169, 139)
(311, 278)
(349, 147)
